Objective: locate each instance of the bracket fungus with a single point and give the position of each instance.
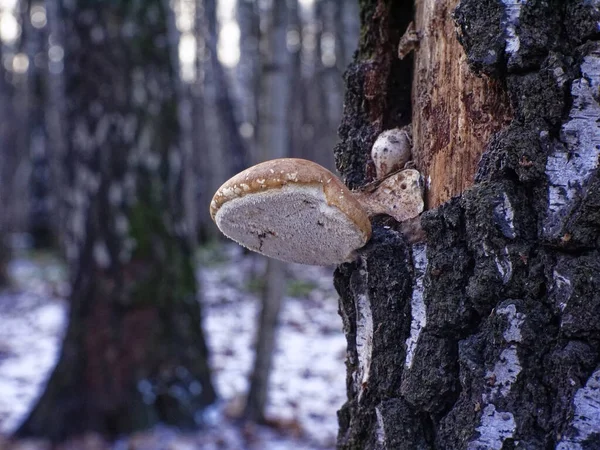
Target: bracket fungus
(297, 211)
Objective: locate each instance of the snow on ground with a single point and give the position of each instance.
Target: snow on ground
(307, 385)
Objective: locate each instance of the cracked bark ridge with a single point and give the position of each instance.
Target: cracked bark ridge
(381, 294)
(508, 356)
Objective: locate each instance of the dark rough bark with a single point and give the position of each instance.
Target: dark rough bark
(134, 354)
(486, 336)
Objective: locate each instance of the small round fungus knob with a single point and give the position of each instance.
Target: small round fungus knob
(391, 151)
(293, 210)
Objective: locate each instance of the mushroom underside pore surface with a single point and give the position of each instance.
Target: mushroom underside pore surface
(294, 223)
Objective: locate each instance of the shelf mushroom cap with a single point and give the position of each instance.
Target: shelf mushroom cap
(293, 210)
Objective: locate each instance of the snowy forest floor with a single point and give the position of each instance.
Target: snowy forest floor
(307, 385)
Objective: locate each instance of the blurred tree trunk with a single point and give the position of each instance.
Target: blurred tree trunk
(55, 110)
(266, 339)
(276, 135)
(214, 169)
(329, 81)
(200, 142)
(485, 335)
(300, 146)
(134, 354)
(41, 196)
(347, 25)
(185, 102)
(8, 166)
(235, 152)
(248, 73)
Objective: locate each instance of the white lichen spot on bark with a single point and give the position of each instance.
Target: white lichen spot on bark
(512, 12)
(364, 341)
(561, 288)
(417, 304)
(574, 160)
(595, 4)
(380, 431)
(504, 265)
(560, 76)
(515, 319)
(503, 375)
(502, 261)
(504, 216)
(364, 336)
(495, 428)
(586, 416)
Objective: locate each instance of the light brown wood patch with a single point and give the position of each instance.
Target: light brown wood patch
(454, 112)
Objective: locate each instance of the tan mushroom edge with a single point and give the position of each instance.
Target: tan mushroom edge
(284, 171)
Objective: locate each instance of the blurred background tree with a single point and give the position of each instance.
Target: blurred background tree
(134, 353)
(119, 121)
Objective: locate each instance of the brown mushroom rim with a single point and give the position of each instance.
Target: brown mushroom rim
(280, 172)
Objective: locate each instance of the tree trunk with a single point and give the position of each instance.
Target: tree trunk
(233, 142)
(248, 72)
(486, 334)
(41, 222)
(55, 110)
(9, 162)
(265, 342)
(276, 137)
(134, 353)
(213, 169)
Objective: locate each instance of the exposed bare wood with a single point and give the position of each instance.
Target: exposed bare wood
(454, 112)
